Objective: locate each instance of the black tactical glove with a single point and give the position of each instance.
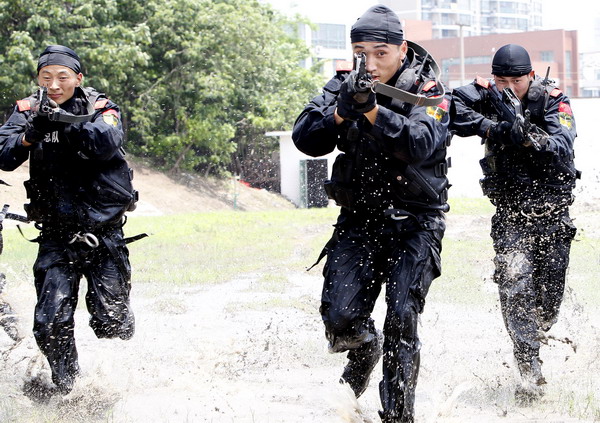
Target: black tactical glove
(500, 133)
(352, 101)
(517, 133)
(36, 128)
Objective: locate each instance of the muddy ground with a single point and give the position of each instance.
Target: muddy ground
(246, 353)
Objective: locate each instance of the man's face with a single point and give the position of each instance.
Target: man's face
(383, 60)
(519, 84)
(61, 82)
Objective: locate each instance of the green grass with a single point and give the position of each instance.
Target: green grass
(205, 248)
(209, 248)
(470, 206)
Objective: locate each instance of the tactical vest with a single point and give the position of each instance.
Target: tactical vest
(513, 169)
(68, 189)
(357, 183)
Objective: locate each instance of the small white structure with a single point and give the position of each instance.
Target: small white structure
(294, 165)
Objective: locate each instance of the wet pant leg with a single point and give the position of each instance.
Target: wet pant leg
(350, 290)
(108, 274)
(57, 285)
(514, 243)
(415, 263)
(552, 261)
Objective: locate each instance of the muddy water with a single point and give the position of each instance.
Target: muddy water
(243, 352)
(231, 353)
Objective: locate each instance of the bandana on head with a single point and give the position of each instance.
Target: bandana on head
(59, 55)
(379, 24)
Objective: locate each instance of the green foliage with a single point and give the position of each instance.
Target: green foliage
(199, 81)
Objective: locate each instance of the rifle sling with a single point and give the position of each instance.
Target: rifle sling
(416, 99)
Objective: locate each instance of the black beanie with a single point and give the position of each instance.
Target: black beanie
(59, 55)
(511, 60)
(379, 24)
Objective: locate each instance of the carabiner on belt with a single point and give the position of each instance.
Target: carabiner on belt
(89, 238)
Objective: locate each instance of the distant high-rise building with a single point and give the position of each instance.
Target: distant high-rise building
(473, 17)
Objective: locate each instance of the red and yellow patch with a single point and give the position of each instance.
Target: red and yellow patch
(23, 105)
(111, 117)
(565, 115)
(438, 112)
(101, 104)
(485, 83)
(429, 85)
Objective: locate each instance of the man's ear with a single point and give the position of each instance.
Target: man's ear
(79, 79)
(404, 47)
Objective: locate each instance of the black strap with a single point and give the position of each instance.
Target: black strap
(416, 99)
(134, 238)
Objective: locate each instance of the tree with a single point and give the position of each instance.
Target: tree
(199, 82)
(97, 29)
(230, 73)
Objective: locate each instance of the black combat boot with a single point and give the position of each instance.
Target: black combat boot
(361, 362)
(393, 417)
(530, 388)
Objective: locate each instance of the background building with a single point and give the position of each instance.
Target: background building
(573, 53)
(557, 49)
(472, 17)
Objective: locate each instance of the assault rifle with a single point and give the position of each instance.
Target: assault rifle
(8, 318)
(4, 214)
(363, 84)
(510, 109)
(48, 107)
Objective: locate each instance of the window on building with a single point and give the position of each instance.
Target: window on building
(478, 60)
(568, 68)
(547, 56)
(507, 7)
(330, 36)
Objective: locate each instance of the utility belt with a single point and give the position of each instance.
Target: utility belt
(400, 220)
(554, 172)
(75, 235)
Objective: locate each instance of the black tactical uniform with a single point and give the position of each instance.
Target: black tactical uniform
(79, 189)
(391, 183)
(531, 187)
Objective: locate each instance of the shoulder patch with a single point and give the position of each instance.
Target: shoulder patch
(482, 82)
(565, 115)
(111, 116)
(429, 85)
(100, 104)
(23, 105)
(555, 92)
(438, 112)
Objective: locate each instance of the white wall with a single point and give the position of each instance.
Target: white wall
(289, 158)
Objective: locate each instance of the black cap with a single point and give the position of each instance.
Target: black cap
(59, 55)
(379, 24)
(511, 60)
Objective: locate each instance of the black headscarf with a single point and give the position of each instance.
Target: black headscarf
(379, 24)
(511, 60)
(59, 55)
